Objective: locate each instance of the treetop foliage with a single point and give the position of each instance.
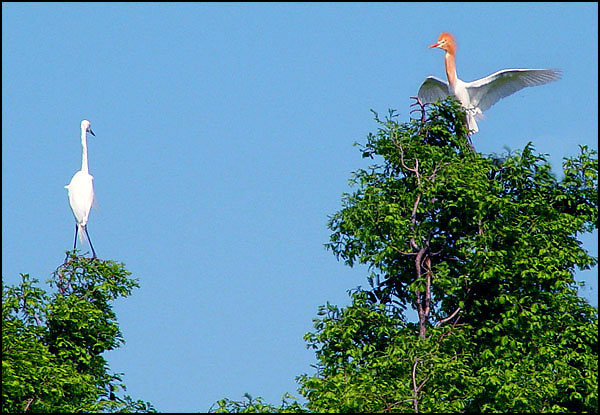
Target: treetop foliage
(484, 249)
(52, 344)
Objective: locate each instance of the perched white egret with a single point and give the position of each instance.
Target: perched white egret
(81, 190)
(479, 95)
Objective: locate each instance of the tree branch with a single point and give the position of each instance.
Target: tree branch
(402, 252)
(415, 169)
(415, 390)
(427, 286)
(29, 402)
(421, 108)
(422, 313)
(450, 317)
(413, 221)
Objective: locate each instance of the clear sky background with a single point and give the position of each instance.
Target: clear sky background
(224, 140)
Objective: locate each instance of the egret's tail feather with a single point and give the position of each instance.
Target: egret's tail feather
(471, 123)
(81, 233)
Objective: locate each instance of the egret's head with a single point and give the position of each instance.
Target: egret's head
(446, 42)
(86, 126)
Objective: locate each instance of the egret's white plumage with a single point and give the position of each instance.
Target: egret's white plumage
(478, 96)
(81, 190)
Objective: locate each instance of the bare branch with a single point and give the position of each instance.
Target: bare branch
(413, 220)
(417, 171)
(414, 169)
(421, 108)
(29, 402)
(427, 286)
(413, 215)
(422, 384)
(415, 390)
(450, 317)
(422, 313)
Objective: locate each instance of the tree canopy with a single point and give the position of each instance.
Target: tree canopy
(483, 249)
(52, 343)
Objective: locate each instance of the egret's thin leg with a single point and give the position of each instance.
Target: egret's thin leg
(90, 241)
(75, 242)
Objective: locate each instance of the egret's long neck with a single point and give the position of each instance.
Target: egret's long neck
(84, 158)
(450, 67)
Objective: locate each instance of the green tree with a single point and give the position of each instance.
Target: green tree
(52, 344)
(257, 405)
(483, 249)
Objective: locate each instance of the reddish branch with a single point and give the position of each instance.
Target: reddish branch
(421, 108)
(423, 304)
(29, 402)
(423, 263)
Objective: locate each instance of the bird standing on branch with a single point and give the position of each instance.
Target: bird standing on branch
(81, 190)
(479, 95)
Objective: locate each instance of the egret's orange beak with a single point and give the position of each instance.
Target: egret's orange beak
(435, 45)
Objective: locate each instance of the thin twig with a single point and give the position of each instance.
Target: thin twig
(402, 252)
(421, 108)
(414, 169)
(422, 384)
(29, 402)
(450, 317)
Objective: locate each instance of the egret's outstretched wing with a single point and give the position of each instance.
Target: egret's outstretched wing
(432, 90)
(487, 91)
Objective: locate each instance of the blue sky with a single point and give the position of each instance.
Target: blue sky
(224, 140)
